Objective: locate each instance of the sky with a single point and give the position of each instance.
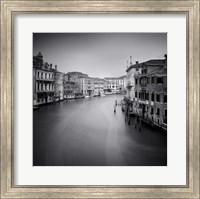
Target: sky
(98, 54)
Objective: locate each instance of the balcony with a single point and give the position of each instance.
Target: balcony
(142, 101)
(43, 79)
(45, 91)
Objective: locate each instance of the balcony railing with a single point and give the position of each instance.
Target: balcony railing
(45, 91)
(43, 79)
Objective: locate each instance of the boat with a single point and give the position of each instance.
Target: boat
(35, 105)
(71, 97)
(108, 93)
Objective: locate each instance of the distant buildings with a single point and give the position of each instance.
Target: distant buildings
(74, 76)
(122, 83)
(77, 84)
(73, 85)
(87, 84)
(59, 90)
(99, 86)
(69, 87)
(50, 85)
(111, 84)
(116, 84)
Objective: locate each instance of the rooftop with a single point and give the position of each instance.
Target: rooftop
(76, 73)
(113, 78)
(151, 62)
(98, 79)
(156, 72)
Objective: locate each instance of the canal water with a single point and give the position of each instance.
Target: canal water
(87, 132)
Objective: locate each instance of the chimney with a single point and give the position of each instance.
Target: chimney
(137, 62)
(56, 67)
(50, 66)
(130, 60)
(165, 65)
(40, 55)
(46, 65)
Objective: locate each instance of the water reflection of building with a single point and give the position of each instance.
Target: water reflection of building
(43, 81)
(151, 92)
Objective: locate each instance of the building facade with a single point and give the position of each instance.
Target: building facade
(43, 81)
(112, 84)
(115, 84)
(88, 86)
(150, 100)
(99, 86)
(74, 76)
(73, 85)
(59, 86)
(69, 87)
(131, 71)
(121, 84)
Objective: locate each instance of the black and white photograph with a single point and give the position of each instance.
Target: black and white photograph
(99, 99)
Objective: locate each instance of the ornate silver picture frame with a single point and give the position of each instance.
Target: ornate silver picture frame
(8, 11)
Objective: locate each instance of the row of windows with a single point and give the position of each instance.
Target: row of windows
(157, 111)
(112, 86)
(147, 96)
(70, 87)
(149, 80)
(164, 121)
(45, 87)
(42, 75)
(144, 71)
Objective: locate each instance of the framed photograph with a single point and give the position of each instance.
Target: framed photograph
(99, 99)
